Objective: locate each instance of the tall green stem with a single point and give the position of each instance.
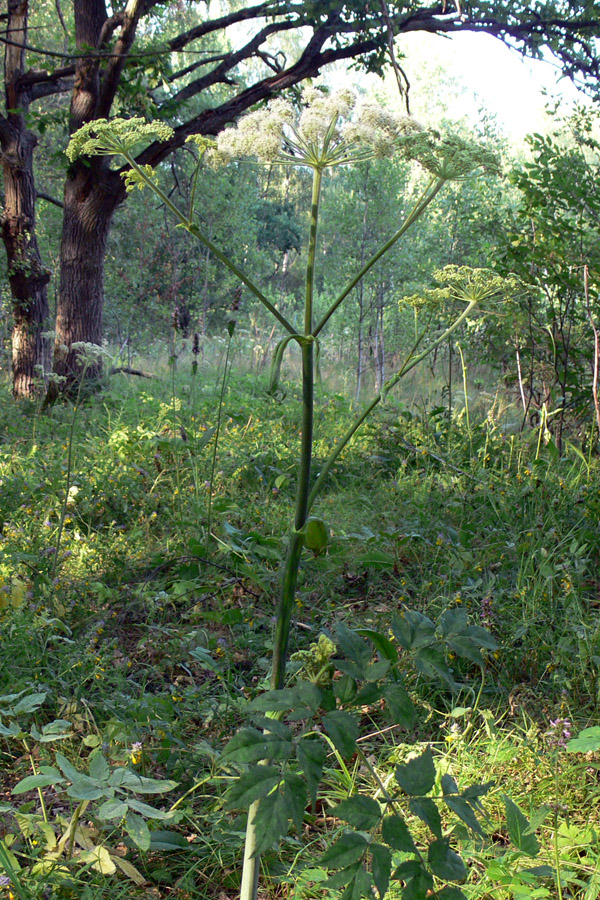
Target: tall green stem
(292, 561)
(251, 864)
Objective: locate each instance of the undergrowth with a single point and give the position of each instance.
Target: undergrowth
(145, 637)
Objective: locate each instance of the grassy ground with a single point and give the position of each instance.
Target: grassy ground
(139, 560)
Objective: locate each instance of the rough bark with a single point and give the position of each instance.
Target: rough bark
(27, 275)
(92, 191)
(87, 218)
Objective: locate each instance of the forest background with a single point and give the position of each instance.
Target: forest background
(444, 626)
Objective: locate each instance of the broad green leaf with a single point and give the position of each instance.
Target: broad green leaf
(295, 794)
(464, 811)
(518, 826)
(311, 753)
(68, 770)
(309, 694)
(481, 637)
(395, 832)
(251, 745)
(27, 704)
(413, 630)
(99, 769)
(37, 781)
(452, 621)
(475, 791)
(449, 785)
(426, 810)
(451, 893)
(359, 886)
(273, 726)
(419, 887)
(84, 788)
(271, 821)
(137, 830)
(382, 644)
(275, 701)
(345, 688)
(144, 809)
(587, 741)
(342, 878)
(57, 730)
(257, 782)
(377, 670)
(350, 668)
(353, 647)
(100, 860)
(112, 809)
(417, 776)
(399, 704)
(370, 693)
(444, 862)
(381, 866)
(132, 781)
(408, 869)
(168, 841)
(374, 558)
(430, 661)
(465, 647)
(129, 870)
(348, 849)
(359, 811)
(342, 728)
(12, 730)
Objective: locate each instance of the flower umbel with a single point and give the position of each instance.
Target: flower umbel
(103, 137)
(321, 136)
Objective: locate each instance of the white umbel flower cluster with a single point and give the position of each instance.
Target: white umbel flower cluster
(333, 130)
(329, 131)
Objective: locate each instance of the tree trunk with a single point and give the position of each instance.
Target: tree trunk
(92, 191)
(27, 276)
(86, 223)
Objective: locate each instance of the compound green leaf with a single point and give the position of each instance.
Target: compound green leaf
(417, 776)
(271, 820)
(138, 830)
(257, 782)
(426, 810)
(395, 833)
(251, 745)
(362, 812)
(444, 862)
(400, 705)
(348, 849)
(518, 826)
(342, 728)
(311, 753)
(381, 866)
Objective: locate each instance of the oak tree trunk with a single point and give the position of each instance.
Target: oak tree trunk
(27, 275)
(88, 212)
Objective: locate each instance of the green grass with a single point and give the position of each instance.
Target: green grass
(109, 629)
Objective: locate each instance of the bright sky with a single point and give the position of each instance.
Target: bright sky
(508, 84)
(505, 84)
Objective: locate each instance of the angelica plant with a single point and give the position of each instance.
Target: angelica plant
(330, 130)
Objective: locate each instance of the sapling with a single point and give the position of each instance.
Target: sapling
(329, 132)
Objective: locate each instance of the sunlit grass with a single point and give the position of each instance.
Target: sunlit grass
(420, 514)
